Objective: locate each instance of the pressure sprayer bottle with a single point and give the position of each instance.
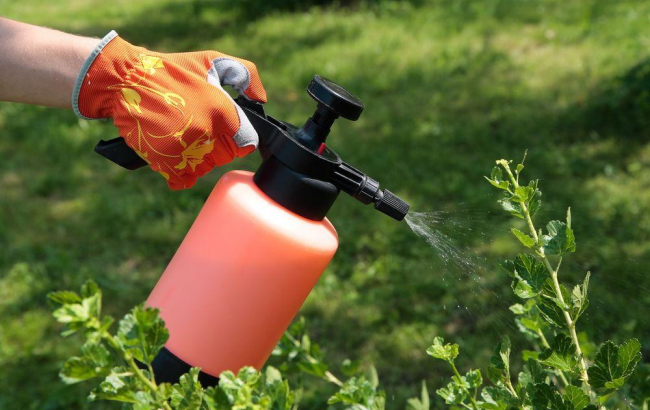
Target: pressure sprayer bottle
(259, 244)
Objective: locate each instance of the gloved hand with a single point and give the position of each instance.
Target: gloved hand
(171, 108)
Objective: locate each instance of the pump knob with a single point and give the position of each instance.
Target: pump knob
(336, 98)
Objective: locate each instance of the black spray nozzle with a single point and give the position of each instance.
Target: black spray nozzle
(365, 189)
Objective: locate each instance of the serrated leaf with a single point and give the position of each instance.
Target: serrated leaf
(439, 350)
(561, 355)
(187, 393)
(499, 369)
(526, 240)
(533, 373)
(579, 298)
(544, 396)
(421, 403)
(524, 193)
(93, 363)
(474, 379)
(359, 391)
(550, 306)
(496, 179)
(614, 364)
(513, 208)
(142, 333)
(119, 385)
(495, 398)
(501, 185)
(529, 275)
(559, 240)
(452, 394)
(578, 399)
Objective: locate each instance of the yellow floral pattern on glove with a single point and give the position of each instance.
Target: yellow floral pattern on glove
(192, 154)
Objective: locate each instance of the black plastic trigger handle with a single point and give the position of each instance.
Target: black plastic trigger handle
(118, 152)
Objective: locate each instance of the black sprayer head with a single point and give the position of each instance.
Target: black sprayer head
(298, 170)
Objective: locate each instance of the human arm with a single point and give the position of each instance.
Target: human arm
(39, 65)
(170, 108)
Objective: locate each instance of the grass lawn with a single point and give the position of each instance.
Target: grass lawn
(449, 86)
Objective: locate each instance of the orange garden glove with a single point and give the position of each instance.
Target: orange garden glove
(170, 108)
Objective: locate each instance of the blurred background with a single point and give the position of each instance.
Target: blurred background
(449, 86)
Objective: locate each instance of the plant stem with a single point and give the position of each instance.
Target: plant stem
(571, 325)
(458, 376)
(150, 384)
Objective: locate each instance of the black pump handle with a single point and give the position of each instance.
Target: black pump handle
(117, 151)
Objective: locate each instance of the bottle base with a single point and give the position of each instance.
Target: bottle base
(168, 368)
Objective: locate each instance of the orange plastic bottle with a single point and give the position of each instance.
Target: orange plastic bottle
(239, 277)
(260, 243)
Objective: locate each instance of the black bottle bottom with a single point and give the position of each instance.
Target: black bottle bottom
(168, 368)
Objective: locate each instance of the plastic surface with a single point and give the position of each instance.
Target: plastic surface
(239, 277)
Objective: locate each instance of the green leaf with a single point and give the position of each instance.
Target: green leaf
(614, 364)
(526, 240)
(142, 333)
(524, 193)
(187, 393)
(423, 402)
(90, 289)
(120, 385)
(579, 298)
(544, 397)
(495, 398)
(529, 354)
(95, 362)
(512, 207)
(517, 309)
(144, 401)
(474, 379)
(447, 352)
(499, 369)
(358, 391)
(561, 355)
(452, 394)
(576, 397)
(535, 201)
(529, 275)
(559, 240)
(496, 179)
(533, 374)
(64, 297)
(278, 390)
(550, 306)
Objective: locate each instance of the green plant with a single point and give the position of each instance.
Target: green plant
(123, 362)
(556, 375)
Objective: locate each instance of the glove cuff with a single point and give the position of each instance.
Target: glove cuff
(84, 72)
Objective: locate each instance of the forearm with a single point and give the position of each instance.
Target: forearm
(39, 65)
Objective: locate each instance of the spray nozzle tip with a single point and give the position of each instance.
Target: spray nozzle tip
(391, 205)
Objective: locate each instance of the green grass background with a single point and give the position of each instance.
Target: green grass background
(449, 87)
